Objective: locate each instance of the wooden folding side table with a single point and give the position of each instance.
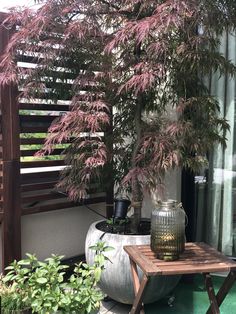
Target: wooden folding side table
(197, 258)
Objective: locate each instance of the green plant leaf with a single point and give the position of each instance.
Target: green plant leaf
(97, 274)
(108, 248)
(41, 280)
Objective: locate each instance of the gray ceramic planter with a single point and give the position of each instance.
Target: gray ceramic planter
(116, 279)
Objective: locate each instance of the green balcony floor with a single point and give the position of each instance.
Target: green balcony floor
(193, 299)
(188, 298)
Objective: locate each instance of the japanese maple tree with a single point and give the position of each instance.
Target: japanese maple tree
(142, 62)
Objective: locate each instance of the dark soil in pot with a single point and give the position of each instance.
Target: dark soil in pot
(144, 227)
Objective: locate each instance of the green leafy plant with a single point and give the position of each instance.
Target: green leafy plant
(116, 225)
(41, 286)
(117, 221)
(11, 297)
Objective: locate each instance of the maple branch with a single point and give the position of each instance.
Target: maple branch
(137, 193)
(116, 7)
(110, 4)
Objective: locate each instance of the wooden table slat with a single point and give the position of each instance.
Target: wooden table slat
(197, 258)
(190, 263)
(195, 270)
(186, 256)
(141, 260)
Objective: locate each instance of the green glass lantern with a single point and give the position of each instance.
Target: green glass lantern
(168, 230)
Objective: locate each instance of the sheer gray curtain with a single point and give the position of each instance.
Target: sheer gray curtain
(220, 190)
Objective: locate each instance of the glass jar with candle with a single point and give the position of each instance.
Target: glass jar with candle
(168, 230)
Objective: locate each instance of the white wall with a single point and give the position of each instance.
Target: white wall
(60, 232)
(172, 191)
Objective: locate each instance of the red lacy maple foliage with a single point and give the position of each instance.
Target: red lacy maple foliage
(150, 58)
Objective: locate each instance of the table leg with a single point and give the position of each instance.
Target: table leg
(139, 289)
(134, 272)
(223, 291)
(214, 307)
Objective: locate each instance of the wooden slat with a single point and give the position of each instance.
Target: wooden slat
(11, 213)
(44, 163)
(39, 177)
(211, 250)
(48, 95)
(188, 261)
(34, 129)
(44, 107)
(63, 90)
(90, 96)
(38, 140)
(52, 185)
(41, 197)
(32, 152)
(11, 226)
(186, 258)
(142, 261)
(34, 60)
(59, 86)
(197, 269)
(38, 186)
(62, 205)
(32, 141)
(46, 208)
(37, 119)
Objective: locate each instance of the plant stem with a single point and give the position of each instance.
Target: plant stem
(136, 190)
(137, 193)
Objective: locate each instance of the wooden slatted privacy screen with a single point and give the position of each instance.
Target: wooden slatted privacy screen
(27, 183)
(10, 164)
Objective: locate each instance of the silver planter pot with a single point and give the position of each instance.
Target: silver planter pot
(116, 279)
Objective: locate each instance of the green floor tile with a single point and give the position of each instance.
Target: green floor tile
(193, 299)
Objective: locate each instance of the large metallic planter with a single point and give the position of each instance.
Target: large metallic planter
(116, 279)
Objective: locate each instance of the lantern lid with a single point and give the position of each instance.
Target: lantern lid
(168, 203)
